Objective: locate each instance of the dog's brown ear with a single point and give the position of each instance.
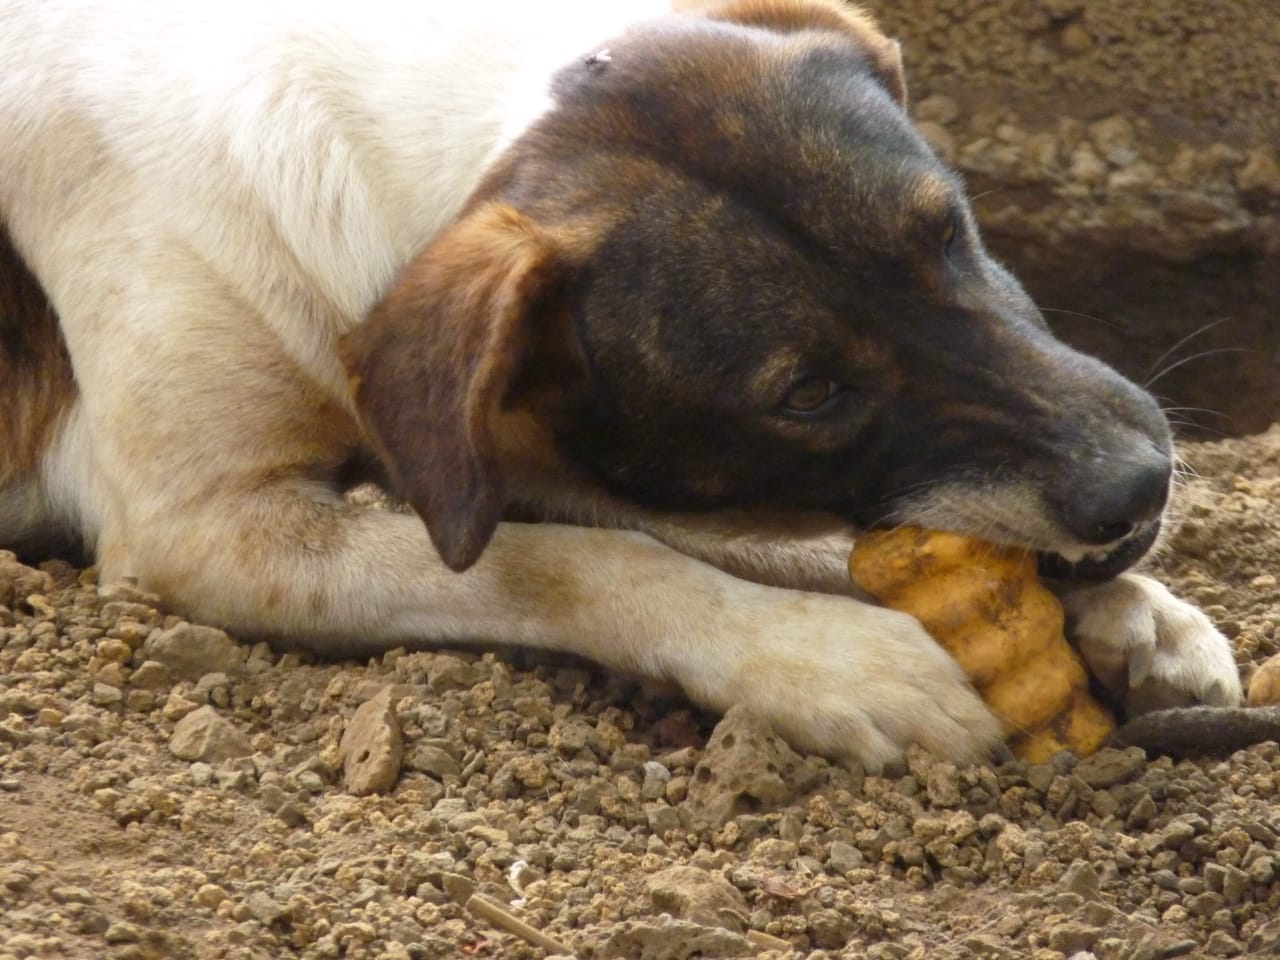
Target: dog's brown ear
(432, 365)
(884, 56)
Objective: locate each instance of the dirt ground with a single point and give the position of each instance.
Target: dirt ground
(169, 792)
(1124, 160)
(166, 792)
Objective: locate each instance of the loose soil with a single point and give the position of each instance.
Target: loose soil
(168, 792)
(1123, 157)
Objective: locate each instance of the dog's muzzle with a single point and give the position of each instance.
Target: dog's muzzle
(1094, 568)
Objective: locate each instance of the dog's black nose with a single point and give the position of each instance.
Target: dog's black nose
(1124, 494)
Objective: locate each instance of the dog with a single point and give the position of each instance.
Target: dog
(644, 310)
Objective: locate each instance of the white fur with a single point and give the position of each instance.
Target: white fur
(213, 192)
(1152, 649)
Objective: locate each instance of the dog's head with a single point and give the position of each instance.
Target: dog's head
(724, 270)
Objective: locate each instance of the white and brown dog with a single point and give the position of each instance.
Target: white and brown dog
(642, 311)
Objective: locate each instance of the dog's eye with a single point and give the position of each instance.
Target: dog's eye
(950, 230)
(812, 396)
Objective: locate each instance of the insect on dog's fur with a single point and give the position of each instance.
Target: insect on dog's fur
(683, 286)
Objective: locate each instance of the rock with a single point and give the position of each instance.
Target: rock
(372, 747)
(667, 938)
(1086, 166)
(104, 694)
(69, 894)
(210, 895)
(830, 928)
(1110, 766)
(692, 894)
(189, 651)
(1075, 39)
(775, 852)
(745, 768)
(656, 778)
(432, 760)
(1266, 939)
(17, 581)
(203, 735)
(1259, 180)
(662, 819)
(1082, 879)
(1113, 138)
(1222, 944)
(843, 857)
(942, 784)
(1072, 937)
(267, 911)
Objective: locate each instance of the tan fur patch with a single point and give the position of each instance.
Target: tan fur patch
(35, 369)
(791, 15)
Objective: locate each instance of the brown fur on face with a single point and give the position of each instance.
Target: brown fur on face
(39, 387)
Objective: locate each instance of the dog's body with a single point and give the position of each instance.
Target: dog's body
(689, 284)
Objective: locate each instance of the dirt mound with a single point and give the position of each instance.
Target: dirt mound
(1124, 160)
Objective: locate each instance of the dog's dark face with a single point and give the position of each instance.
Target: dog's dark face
(784, 301)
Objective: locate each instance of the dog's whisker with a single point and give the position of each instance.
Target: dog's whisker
(1079, 315)
(1204, 328)
(1195, 356)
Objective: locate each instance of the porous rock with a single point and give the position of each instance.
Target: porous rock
(746, 768)
(666, 938)
(372, 746)
(699, 896)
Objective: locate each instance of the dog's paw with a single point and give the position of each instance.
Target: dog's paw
(1149, 648)
(857, 683)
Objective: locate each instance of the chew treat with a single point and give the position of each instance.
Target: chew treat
(984, 604)
(1264, 685)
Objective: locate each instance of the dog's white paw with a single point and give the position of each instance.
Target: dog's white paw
(855, 682)
(1149, 648)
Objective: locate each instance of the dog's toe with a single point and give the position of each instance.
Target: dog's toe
(1149, 648)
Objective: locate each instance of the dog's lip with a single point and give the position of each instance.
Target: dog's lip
(1094, 568)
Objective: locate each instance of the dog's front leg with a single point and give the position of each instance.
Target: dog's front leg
(831, 674)
(800, 551)
(1151, 649)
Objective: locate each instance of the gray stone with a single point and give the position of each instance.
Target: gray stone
(266, 910)
(189, 651)
(203, 735)
(663, 819)
(843, 857)
(656, 778)
(1072, 937)
(1082, 879)
(432, 760)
